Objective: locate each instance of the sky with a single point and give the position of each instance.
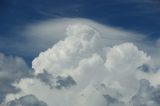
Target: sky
(79, 53)
(140, 16)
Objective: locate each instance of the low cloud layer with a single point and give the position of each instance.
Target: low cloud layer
(12, 70)
(28, 100)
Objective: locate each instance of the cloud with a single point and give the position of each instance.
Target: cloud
(54, 30)
(64, 82)
(61, 82)
(158, 42)
(12, 70)
(42, 35)
(147, 95)
(113, 101)
(84, 69)
(28, 100)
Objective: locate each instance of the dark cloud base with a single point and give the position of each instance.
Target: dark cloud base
(28, 100)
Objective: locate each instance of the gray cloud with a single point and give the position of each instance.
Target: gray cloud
(111, 101)
(65, 82)
(28, 100)
(46, 78)
(59, 82)
(145, 68)
(147, 95)
(12, 69)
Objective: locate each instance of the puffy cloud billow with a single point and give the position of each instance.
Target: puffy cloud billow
(83, 70)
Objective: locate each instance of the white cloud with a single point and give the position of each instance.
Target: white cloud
(129, 53)
(104, 72)
(42, 35)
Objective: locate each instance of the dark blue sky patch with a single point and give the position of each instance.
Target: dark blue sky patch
(131, 15)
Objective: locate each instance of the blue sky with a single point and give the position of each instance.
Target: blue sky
(79, 52)
(142, 16)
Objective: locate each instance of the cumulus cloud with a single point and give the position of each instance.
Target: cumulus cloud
(12, 70)
(86, 70)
